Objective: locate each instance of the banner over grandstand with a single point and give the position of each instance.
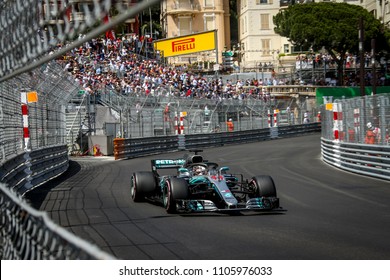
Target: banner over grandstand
(198, 42)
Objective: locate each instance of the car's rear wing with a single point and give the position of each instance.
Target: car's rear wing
(167, 163)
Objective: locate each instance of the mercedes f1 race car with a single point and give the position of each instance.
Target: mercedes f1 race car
(201, 186)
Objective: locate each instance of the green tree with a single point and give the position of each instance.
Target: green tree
(233, 22)
(330, 26)
(154, 15)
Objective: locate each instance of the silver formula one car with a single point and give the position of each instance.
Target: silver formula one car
(202, 186)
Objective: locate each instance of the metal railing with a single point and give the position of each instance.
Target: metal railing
(131, 148)
(370, 160)
(31, 169)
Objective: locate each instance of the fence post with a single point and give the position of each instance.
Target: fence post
(382, 119)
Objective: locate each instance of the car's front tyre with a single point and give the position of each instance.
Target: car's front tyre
(262, 186)
(175, 188)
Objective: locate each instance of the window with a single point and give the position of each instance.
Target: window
(209, 3)
(259, 2)
(264, 21)
(184, 26)
(185, 4)
(209, 22)
(266, 46)
(286, 48)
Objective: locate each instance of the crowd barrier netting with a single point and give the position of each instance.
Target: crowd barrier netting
(355, 134)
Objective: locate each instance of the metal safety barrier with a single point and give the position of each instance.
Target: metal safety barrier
(130, 148)
(369, 160)
(30, 169)
(225, 138)
(301, 129)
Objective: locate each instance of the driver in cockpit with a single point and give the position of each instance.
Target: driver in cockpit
(199, 170)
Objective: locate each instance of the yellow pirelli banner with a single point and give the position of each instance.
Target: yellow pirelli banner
(193, 43)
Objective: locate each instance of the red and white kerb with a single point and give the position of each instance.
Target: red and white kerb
(269, 118)
(356, 119)
(176, 125)
(275, 119)
(181, 130)
(337, 121)
(26, 131)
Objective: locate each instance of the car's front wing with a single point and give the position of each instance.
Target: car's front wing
(260, 204)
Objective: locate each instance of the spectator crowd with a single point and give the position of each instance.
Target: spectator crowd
(351, 67)
(114, 64)
(105, 64)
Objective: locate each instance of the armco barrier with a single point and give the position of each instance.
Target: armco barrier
(369, 160)
(294, 130)
(225, 138)
(30, 169)
(135, 147)
(119, 148)
(46, 164)
(14, 171)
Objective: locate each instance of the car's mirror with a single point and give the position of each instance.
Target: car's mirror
(224, 168)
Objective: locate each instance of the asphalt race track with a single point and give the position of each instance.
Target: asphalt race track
(331, 214)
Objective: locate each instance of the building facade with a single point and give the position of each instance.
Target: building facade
(185, 17)
(259, 45)
(75, 11)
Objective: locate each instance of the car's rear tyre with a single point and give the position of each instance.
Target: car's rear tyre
(176, 188)
(142, 184)
(263, 185)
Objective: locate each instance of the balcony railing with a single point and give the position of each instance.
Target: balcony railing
(80, 1)
(178, 8)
